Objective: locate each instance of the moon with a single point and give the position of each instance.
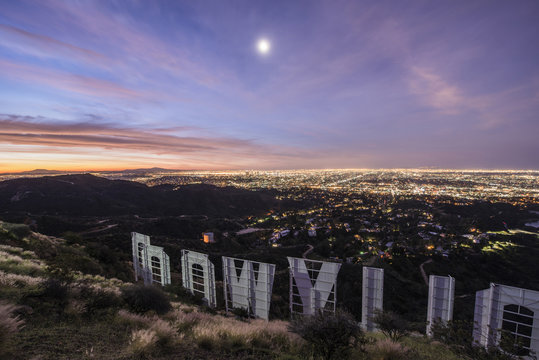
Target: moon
(263, 46)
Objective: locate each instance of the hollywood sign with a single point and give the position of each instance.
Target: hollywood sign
(248, 285)
(502, 313)
(151, 263)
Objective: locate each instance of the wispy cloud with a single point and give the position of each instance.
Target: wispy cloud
(69, 82)
(436, 92)
(124, 37)
(45, 46)
(55, 135)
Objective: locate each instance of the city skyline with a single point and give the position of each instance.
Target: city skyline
(258, 85)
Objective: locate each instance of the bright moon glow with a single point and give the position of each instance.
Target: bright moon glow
(263, 46)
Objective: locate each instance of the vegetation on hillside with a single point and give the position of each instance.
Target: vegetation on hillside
(59, 309)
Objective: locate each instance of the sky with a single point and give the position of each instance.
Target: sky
(103, 85)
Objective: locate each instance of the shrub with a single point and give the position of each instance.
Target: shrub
(141, 299)
(19, 231)
(391, 325)
(454, 332)
(241, 313)
(55, 290)
(101, 300)
(329, 334)
(9, 324)
(457, 334)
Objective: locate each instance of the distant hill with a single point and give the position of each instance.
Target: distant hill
(39, 172)
(88, 195)
(58, 172)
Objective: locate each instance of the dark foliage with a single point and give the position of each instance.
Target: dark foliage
(391, 324)
(183, 295)
(457, 334)
(88, 195)
(241, 313)
(55, 292)
(141, 299)
(18, 231)
(330, 335)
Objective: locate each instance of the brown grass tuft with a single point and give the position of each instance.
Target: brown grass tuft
(9, 324)
(388, 350)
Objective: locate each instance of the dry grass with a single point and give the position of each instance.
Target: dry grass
(257, 333)
(9, 323)
(18, 251)
(19, 265)
(207, 331)
(76, 286)
(388, 350)
(166, 334)
(135, 320)
(143, 342)
(151, 332)
(9, 279)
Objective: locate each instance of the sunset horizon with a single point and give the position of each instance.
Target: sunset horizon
(98, 170)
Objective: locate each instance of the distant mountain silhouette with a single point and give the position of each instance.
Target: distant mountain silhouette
(88, 195)
(142, 170)
(126, 171)
(39, 172)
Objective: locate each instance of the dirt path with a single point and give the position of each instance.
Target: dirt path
(307, 251)
(423, 271)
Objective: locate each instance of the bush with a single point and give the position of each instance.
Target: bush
(457, 334)
(19, 231)
(9, 324)
(55, 290)
(241, 313)
(391, 325)
(329, 334)
(142, 298)
(454, 332)
(101, 300)
(183, 295)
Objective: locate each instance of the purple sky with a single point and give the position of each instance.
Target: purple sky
(346, 84)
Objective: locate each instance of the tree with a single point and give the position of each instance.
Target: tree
(329, 334)
(391, 325)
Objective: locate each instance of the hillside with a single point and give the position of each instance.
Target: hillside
(88, 195)
(51, 309)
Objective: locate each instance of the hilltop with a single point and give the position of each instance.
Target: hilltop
(71, 314)
(88, 195)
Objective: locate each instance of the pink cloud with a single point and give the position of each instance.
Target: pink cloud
(435, 91)
(58, 137)
(41, 45)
